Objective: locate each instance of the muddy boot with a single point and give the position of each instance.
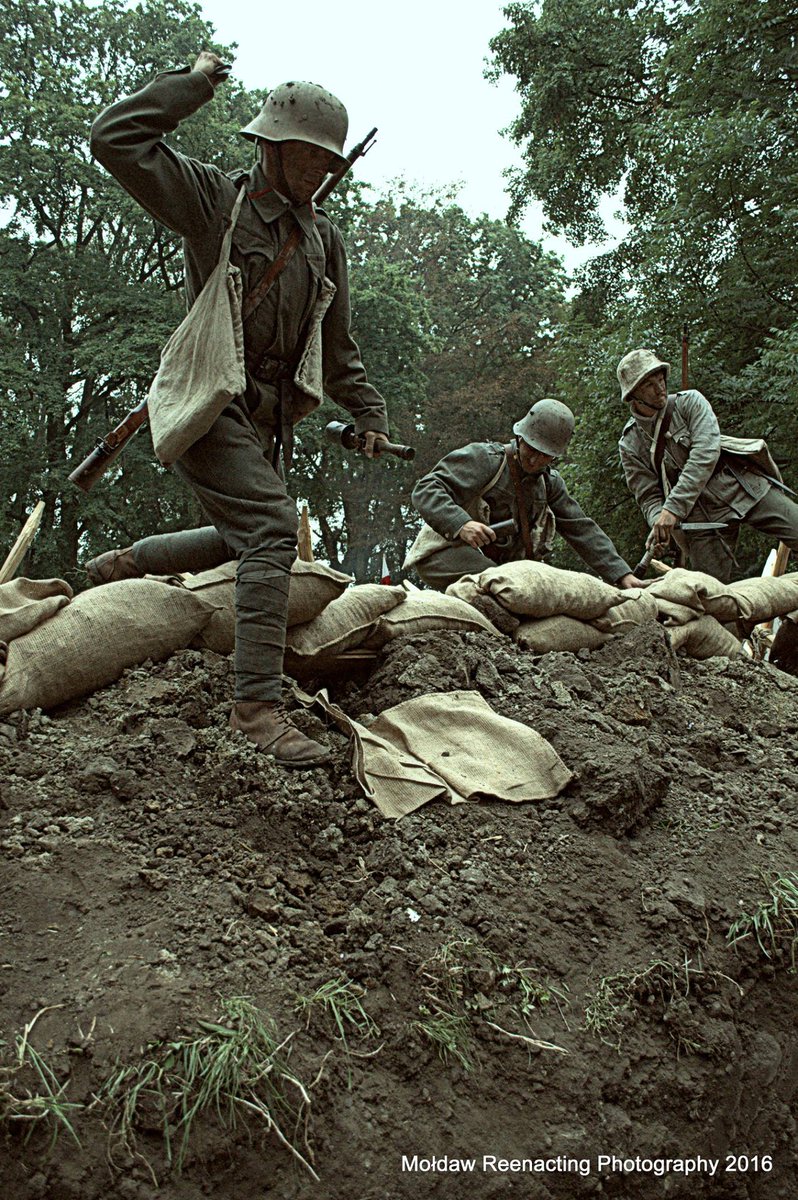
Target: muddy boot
(503, 620)
(268, 725)
(112, 566)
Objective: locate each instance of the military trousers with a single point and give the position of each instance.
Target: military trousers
(451, 563)
(253, 520)
(775, 514)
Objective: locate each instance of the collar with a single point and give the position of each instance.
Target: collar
(270, 204)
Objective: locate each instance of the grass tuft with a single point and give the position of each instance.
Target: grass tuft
(43, 1101)
(229, 1069)
(774, 922)
(464, 983)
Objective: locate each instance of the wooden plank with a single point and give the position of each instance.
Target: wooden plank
(22, 544)
(304, 537)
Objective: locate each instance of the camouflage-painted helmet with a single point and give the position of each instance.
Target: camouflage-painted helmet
(547, 427)
(635, 366)
(302, 112)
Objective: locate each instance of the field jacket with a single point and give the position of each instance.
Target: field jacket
(194, 199)
(705, 484)
(475, 483)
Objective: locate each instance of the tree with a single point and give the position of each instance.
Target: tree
(690, 109)
(90, 284)
(454, 317)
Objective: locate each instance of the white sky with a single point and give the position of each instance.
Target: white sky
(415, 70)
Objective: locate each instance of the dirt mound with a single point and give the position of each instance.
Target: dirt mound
(212, 944)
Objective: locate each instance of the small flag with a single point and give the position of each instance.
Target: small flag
(386, 574)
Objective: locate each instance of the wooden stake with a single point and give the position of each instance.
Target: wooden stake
(22, 544)
(304, 539)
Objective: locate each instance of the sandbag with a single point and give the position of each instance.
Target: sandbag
(344, 623)
(91, 641)
(311, 587)
(765, 598)
(681, 594)
(559, 633)
(26, 603)
(704, 638)
(426, 610)
(535, 589)
(639, 608)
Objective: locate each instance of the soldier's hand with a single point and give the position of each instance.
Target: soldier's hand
(630, 581)
(371, 443)
(475, 534)
(214, 67)
(662, 527)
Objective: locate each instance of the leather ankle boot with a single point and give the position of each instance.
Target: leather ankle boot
(268, 725)
(112, 566)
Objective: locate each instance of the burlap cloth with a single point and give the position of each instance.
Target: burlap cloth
(450, 745)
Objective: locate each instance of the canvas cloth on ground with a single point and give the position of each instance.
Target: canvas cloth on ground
(450, 745)
(202, 364)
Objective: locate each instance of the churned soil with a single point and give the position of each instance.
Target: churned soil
(571, 957)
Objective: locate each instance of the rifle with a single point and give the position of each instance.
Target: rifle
(108, 449)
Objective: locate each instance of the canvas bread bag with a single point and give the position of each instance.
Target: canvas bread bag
(202, 364)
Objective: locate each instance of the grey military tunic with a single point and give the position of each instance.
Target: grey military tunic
(445, 495)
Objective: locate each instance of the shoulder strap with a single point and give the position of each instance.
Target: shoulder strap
(227, 240)
(523, 516)
(658, 442)
(281, 261)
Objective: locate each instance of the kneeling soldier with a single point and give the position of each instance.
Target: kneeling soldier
(485, 483)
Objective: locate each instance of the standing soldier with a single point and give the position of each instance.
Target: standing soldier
(677, 471)
(299, 135)
(486, 483)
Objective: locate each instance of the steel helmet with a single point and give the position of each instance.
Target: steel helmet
(547, 427)
(302, 112)
(635, 366)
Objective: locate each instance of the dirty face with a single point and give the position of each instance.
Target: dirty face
(532, 461)
(297, 169)
(651, 394)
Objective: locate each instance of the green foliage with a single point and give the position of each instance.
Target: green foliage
(90, 284)
(687, 110)
(454, 318)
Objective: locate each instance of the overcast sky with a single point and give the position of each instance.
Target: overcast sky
(413, 69)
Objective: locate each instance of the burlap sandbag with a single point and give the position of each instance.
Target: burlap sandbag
(559, 633)
(704, 638)
(766, 598)
(94, 639)
(426, 610)
(638, 609)
(535, 589)
(26, 603)
(344, 624)
(681, 594)
(311, 587)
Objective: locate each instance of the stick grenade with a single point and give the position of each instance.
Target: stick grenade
(344, 435)
(22, 544)
(502, 527)
(685, 350)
